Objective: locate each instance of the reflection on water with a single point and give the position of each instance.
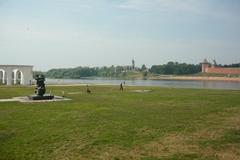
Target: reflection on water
(162, 83)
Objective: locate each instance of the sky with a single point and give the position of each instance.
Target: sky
(70, 33)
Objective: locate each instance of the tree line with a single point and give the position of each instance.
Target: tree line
(171, 68)
(122, 71)
(234, 65)
(175, 68)
(78, 72)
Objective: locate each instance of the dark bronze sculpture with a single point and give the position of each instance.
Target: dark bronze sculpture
(40, 89)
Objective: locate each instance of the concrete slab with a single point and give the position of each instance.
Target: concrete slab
(7, 100)
(141, 91)
(25, 99)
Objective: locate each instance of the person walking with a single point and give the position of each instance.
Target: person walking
(121, 87)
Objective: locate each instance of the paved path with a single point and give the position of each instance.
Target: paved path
(7, 100)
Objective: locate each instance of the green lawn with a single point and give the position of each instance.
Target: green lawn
(166, 123)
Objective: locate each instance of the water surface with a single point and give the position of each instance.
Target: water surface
(161, 83)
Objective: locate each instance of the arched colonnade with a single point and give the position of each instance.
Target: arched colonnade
(16, 74)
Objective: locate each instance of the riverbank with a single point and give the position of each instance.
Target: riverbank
(196, 78)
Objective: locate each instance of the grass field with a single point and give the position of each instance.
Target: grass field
(164, 124)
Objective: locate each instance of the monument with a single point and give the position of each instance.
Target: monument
(40, 90)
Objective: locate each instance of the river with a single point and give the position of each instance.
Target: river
(161, 83)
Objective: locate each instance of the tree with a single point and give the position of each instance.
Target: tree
(143, 68)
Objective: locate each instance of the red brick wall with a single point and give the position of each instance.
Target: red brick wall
(223, 70)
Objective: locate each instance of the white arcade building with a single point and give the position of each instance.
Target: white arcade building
(16, 74)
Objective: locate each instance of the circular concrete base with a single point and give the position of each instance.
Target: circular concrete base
(141, 91)
(27, 100)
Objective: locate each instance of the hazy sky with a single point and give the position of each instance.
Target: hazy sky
(70, 33)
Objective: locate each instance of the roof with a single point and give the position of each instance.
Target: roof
(205, 61)
(16, 65)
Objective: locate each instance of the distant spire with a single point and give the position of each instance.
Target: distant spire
(133, 64)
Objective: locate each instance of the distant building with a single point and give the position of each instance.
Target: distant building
(208, 68)
(16, 74)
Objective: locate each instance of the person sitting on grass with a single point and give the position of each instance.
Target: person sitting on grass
(88, 90)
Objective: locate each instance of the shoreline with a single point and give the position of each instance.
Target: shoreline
(195, 78)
